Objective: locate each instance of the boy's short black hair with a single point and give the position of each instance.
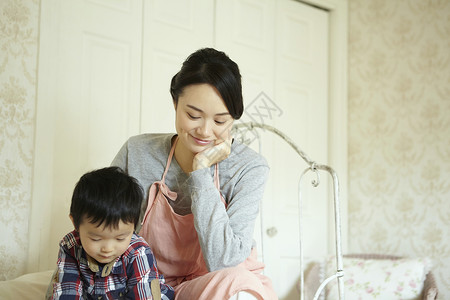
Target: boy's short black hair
(106, 196)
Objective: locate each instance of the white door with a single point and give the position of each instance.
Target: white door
(281, 47)
(105, 70)
(301, 90)
(172, 30)
(106, 76)
(246, 31)
(88, 101)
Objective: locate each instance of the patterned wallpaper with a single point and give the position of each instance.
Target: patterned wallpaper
(399, 130)
(18, 61)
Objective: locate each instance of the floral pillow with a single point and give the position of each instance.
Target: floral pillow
(379, 278)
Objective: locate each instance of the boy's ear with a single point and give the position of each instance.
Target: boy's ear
(71, 219)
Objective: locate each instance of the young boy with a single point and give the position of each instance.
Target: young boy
(103, 258)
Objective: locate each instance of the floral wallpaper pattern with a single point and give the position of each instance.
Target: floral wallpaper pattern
(399, 130)
(18, 61)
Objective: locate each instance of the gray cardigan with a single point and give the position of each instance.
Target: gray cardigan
(225, 235)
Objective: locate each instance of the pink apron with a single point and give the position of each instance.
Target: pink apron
(175, 244)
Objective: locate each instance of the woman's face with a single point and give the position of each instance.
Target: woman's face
(202, 119)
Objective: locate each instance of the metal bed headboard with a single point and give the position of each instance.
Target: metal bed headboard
(313, 167)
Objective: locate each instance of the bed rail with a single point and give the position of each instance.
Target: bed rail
(312, 167)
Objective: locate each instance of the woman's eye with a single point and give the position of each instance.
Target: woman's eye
(220, 122)
(193, 117)
(121, 239)
(95, 240)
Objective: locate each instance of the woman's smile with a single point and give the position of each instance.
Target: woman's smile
(201, 142)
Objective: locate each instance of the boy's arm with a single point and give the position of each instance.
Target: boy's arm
(141, 271)
(67, 284)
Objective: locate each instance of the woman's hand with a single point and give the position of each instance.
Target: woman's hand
(212, 155)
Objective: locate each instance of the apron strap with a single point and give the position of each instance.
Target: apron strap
(153, 190)
(169, 158)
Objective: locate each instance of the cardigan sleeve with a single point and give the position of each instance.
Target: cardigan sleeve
(226, 234)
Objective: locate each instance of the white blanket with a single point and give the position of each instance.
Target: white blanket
(29, 286)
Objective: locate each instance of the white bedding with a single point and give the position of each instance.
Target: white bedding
(31, 286)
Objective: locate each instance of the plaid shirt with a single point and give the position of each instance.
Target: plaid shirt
(129, 277)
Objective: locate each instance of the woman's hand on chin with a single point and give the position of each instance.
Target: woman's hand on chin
(212, 155)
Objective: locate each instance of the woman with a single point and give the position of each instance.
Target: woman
(204, 189)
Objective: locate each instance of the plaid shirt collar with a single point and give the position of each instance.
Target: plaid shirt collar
(103, 270)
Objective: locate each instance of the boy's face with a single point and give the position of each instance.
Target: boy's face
(105, 244)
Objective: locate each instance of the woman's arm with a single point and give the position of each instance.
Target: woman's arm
(226, 234)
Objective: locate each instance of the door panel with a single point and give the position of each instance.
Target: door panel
(284, 65)
(301, 90)
(94, 97)
(245, 30)
(172, 30)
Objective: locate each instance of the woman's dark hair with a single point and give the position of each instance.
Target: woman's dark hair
(213, 67)
(106, 196)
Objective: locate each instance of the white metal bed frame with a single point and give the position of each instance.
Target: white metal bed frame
(312, 167)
